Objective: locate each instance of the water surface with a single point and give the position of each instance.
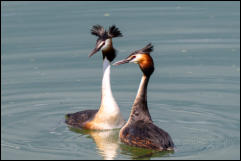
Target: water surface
(194, 93)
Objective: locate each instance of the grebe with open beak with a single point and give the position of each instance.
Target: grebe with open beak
(140, 131)
(108, 115)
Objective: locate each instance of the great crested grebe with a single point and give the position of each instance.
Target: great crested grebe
(140, 131)
(108, 115)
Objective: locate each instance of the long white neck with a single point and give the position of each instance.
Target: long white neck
(108, 103)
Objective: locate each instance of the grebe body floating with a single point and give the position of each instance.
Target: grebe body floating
(140, 131)
(108, 115)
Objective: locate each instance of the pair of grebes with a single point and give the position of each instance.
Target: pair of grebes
(139, 130)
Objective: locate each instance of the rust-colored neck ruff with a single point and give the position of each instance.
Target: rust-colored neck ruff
(146, 64)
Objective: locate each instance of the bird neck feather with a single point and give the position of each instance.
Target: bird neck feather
(108, 103)
(140, 109)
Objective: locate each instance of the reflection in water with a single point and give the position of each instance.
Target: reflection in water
(137, 153)
(107, 142)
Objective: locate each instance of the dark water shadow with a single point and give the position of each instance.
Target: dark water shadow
(142, 153)
(109, 145)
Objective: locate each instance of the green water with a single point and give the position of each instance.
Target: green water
(194, 93)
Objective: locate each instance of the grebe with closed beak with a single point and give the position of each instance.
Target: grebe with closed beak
(108, 115)
(140, 131)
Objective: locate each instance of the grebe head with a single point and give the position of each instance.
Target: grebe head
(104, 41)
(141, 57)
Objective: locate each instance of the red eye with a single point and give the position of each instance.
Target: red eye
(132, 57)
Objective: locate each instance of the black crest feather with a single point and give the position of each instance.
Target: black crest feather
(147, 49)
(114, 32)
(98, 30)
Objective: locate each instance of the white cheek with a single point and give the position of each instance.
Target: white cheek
(104, 46)
(136, 59)
(100, 44)
(107, 43)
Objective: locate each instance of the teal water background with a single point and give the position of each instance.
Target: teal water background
(194, 93)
